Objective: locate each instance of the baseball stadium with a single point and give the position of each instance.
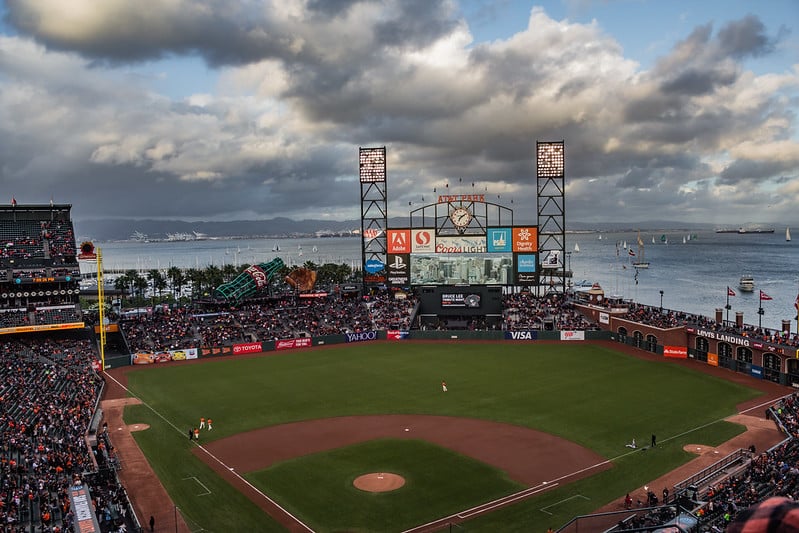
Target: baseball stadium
(456, 381)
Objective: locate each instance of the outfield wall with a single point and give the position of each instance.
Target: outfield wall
(741, 354)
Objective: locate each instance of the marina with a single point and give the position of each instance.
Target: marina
(693, 276)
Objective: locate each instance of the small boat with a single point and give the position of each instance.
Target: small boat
(788, 234)
(640, 262)
(276, 247)
(746, 283)
(653, 239)
(576, 248)
(600, 236)
(315, 249)
(684, 240)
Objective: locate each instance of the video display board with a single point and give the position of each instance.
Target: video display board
(504, 255)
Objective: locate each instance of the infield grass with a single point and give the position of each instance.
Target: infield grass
(586, 393)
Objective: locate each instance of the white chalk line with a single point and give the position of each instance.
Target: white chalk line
(215, 458)
(544, 509)
(200, 483)
(548, 484)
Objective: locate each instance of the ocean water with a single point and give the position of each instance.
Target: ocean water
(693, 276)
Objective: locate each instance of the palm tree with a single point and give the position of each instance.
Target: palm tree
(157, 280)
(176, 280)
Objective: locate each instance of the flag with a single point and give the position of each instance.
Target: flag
(796, 305)
(13, 202)
(631, 253)
(764, 296)
(730, 292)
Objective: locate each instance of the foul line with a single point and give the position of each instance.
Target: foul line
(543, 509)
(212, 456)
(207, 490)
(468, 513)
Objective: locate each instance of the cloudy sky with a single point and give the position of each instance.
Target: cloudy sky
(221, 110)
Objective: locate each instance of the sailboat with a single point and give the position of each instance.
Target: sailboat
(640, 261)
(683, 240)
(577, 248)
(276, 247)
(664, 239)
(653, 239)
(788, 234)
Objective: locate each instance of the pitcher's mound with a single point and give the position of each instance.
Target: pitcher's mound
(379, 482)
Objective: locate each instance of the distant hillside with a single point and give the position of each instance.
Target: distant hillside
(122, 229)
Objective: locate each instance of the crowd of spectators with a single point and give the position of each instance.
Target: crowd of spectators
(48, 397)
(667, 318)
(31, 239)
(525, 311)
(179, 328)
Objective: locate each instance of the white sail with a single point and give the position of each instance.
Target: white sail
(577, 248)
(788, 234)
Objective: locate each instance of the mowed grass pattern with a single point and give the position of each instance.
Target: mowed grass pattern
(336, 505)
(589, 394)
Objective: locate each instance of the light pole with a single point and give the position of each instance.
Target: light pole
(661, 299)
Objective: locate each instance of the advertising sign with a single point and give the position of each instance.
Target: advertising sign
(525, 239)
(527, 262)
(521, 335)
(395, 334)
(398, 241)
(287, 344)
(399, 270)
(466, 244)
(678, 352)
(757, 371)
(424, 241)
(498, 240)
(249, 347)
(361, 336)
(373, 265)
(572, 335)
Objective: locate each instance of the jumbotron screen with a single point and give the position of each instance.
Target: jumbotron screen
(420, 257)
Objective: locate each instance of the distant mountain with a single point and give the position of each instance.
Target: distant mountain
(122, 229)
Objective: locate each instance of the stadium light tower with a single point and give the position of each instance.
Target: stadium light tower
(551, 194)
(374, 213)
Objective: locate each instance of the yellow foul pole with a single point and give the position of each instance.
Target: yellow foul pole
(101, 302)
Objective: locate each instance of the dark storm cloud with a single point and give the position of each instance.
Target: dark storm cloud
(280, 137)
(224, 33)
(743, 170)
(745, 37)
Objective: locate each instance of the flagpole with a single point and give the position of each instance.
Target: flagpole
(760, 312)
(727, 307)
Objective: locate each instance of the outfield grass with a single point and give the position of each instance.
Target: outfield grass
(591, 395)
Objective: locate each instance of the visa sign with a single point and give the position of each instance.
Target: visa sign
(521, 335)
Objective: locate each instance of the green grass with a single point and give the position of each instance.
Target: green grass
(439, 482)
(591, 395)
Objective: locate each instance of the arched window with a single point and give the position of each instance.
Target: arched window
(725, 350)
(622, 334)
(651, 343)
(639, 339)
(743, 359)
(772, 367)
(702, 345)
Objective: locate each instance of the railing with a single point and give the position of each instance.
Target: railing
(711, 471)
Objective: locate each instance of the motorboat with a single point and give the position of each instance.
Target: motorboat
(746, 283)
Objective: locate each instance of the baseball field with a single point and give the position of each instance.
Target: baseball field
(542, 425)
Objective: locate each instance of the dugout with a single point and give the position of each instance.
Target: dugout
(458, 306)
